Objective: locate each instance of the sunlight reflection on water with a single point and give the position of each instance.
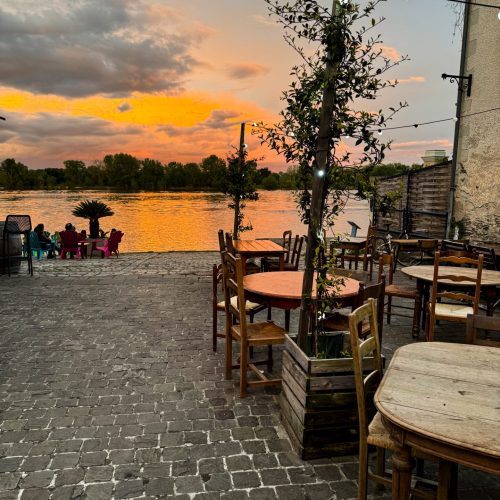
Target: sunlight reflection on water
(156, 222)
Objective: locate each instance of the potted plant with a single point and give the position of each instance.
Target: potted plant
(93, 210)
(321, 117)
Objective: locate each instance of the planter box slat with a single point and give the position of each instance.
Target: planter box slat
(318, 403)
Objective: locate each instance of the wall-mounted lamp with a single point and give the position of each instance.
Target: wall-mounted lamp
(464, 82)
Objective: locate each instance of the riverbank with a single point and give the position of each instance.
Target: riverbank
(109, 388)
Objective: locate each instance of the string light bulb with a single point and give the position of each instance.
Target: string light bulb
(320, 173)
(380, 132)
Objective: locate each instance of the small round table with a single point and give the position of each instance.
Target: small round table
(283, 289)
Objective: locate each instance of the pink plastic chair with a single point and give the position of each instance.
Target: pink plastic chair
(111, 245)
(69, 243)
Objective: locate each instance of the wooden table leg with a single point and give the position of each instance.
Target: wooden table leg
(287, 320)
(423, 291)
(402, 465)
(416, 316)
(282, 262)
(244, 264)
(491, 295)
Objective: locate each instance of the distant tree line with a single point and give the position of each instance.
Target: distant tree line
(125, 172)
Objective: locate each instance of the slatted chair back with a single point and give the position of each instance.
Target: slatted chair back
(222, 241)
(295, 256)
(386, 266)
(217, 284)
(487, 323)
(457, 311)
(233, 287)
(452, 248)
(287, 244)
(17, 225)
(376, 292)
(229, 244)
(490, 258)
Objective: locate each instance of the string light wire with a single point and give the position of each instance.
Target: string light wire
(476, 3)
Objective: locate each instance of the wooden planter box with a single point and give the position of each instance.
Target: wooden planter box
(318, 403)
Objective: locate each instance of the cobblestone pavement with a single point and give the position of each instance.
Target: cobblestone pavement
(109, 389)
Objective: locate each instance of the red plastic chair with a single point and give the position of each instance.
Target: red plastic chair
(69, 243)
(111, 245)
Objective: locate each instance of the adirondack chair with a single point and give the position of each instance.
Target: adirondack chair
(111, 245)
(69, 243)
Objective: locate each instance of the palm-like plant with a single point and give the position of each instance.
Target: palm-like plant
(92, 210)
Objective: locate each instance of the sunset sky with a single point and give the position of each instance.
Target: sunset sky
(173, 79)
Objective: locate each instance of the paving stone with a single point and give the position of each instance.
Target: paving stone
(10, 464)
(35, 494)
(271, 477)
(64, 460)
(101, 491)
(9, 481)
(129, 489)
(217, 481)
(188, 484)
(116, 457)
(238, 462)
(262, 494)
(160, 487)
(38, 479)
(98, 474)
(132, 471)
(69, 476)
(245, 479)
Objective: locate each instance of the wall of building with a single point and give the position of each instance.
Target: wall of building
(477, 176)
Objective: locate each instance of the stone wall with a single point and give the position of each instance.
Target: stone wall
(477, 196)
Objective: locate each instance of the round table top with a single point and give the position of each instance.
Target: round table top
(288, 285)
(426, 273)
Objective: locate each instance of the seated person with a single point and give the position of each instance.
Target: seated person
(45, 242)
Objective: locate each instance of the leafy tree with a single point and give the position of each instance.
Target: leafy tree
(193, 175)
(93, 210)
(272, 181)
(214, 172)
(240, 187)
(321, 110)
(122, 170)
(13, 174)
(152, 175)
(175, 175)
(75, 173)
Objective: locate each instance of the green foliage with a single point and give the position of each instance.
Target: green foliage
(342, 68)
(122, 170)
(75, 172)
(93, 210)
(13, 175)
(240, 187)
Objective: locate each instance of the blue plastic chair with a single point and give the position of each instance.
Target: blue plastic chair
(36, 249)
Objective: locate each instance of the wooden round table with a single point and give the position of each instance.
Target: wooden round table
(425, 274)
(283, 289)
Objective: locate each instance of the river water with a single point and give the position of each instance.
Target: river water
(184, 221)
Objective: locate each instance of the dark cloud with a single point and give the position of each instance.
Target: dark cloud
(77, 49)
(124, 106)
(219, 119)
(244, 70)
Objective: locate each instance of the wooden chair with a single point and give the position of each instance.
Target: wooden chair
(286, 244)
(456, 311)
(339, 321)
(251, 267)
(452, 248)
(368, 374)
(294, 260)
(386, 266)
(490, 258)
(487, 323)
(355, 274)
(251, 308)
(247, 335)
(366, 257)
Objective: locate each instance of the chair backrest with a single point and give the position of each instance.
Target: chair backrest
(428, 245)
(443, 271)
(17, 224)
(376, 292)
(217, 278)
(297, 249)
(452, 248)
(490, 259)
(222, 243)
(366, 384)
(114, 238)
(371, 236)
(386, 266)
(34, 241)
(487, 323)
(287, 244)
(69, 239)
(229, 244)
(232, 269)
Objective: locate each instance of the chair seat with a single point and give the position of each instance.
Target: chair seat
(264, 333)
(401, 291)
(444, 310)
(378, 435)
(249, 306)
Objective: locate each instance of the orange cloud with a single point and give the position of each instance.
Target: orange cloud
(243, 70)
(390, 52)
(411, 79)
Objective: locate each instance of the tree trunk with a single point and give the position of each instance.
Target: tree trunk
(319, 185)
(236, 224)
(94, 228)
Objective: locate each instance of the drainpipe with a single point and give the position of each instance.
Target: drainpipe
(453, 187)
